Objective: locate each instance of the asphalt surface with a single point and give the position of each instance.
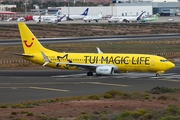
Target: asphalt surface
(19, 86)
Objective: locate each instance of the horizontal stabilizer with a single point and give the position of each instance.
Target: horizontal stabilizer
(19, 54)
(45, 59)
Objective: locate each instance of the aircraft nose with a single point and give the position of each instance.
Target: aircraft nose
(171, 65)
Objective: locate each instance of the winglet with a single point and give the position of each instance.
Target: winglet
(45, 58)
(99, 51)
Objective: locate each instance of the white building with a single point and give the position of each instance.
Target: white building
(6, 7)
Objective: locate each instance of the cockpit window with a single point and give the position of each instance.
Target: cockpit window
(164, 60)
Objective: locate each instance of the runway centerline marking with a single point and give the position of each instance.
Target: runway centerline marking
(52, 89)
(99, 83)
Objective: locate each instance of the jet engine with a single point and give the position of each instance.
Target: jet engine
(104, 70)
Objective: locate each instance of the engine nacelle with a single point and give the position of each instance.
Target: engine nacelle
(104, 70)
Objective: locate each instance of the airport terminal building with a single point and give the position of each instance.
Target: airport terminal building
(122, 8)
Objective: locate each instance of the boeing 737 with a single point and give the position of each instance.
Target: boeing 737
(155, 17)
(41, 18)
(126, 19)
(90, 18)
(80, 16)
(99, 63)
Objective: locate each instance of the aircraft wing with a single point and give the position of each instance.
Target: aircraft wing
(85, 66)
(79, 65)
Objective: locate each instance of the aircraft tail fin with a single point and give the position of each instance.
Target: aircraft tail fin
(140, 16)
(58, 13)
(60, 19)
(29, 41)
(100, 15)
(85, 12)
(156, 15)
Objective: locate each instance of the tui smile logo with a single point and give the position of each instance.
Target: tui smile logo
(28, 45)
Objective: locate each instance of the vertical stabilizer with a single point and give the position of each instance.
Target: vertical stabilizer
(85, 13)
(140, 16)
(29, 41)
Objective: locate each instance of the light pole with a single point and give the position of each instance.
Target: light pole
(25, 8)
(68, 7)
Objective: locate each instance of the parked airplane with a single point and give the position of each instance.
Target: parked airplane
(155, 17)
(80, 16)
(126, 19)
(55, 20)
(90, 18)
(41, 18)
(99, 63)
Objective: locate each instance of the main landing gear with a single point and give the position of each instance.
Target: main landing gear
(157, 74)
(90, 73)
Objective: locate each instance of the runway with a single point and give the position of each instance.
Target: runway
(19, 86)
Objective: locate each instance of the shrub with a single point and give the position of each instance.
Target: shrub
(107, 96)
(30, 114)
(170, 118)
(173, 109)
(158, 90)
(4, 106)
(125, 114)
(94, 97)
(162, 98)
(53, 118)
(13, 113)
(114, 93)
(43, 117)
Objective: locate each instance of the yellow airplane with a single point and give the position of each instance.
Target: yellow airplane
(99, 63)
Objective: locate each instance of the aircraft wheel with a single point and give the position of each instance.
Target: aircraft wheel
(157, 74)
(90, 73)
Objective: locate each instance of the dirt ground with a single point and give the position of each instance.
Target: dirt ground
(72, 109)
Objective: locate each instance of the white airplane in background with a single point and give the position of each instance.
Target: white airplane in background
(55, 20)
(126, 19)
(41, 18)
(80, 16)
(90, 18)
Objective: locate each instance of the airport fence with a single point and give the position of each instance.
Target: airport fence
(13, 61)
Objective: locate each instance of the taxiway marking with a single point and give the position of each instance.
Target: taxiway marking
(99, 83)
(52, 89)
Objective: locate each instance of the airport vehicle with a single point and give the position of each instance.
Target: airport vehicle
(147, 19)
(99, 63)
(80, 16)
(90, 18)
(126, 19)
(41, 18)
(114, 19)
(28, 17)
